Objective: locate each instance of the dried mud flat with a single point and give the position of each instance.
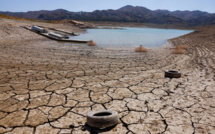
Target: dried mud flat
(48, 87)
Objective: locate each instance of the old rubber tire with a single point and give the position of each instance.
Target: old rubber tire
(172, 74)
(102, 119)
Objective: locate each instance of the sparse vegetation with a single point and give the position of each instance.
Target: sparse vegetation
(11, 17)
(92, 43)
(181, 49)
(141, 49)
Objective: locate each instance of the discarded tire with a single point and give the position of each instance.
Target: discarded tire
(102, 119)
(172, 74)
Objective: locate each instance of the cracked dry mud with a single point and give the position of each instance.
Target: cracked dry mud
(47, 87)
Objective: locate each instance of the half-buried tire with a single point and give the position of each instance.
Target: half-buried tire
(172, 74)
(102, 119)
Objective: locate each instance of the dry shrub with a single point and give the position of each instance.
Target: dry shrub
(181, 49)
(141, 49)
(91, 43)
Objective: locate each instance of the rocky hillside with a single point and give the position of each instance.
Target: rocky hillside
(125, 14)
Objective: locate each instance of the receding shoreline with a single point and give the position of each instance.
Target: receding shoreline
(127, 37)
(49, 87)
(140, 25)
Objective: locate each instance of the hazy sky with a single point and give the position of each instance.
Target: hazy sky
(91, 5)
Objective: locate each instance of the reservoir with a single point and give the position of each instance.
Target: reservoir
(130, 37)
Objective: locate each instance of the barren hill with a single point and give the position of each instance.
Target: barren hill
(125, 14)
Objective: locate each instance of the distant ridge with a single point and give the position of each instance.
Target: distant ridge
(125, 14)
(11, 17)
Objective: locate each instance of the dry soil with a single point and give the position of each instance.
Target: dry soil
(48, 87)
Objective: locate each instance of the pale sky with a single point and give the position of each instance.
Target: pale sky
(91, 5)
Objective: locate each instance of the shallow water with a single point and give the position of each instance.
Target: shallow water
(131, 37)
